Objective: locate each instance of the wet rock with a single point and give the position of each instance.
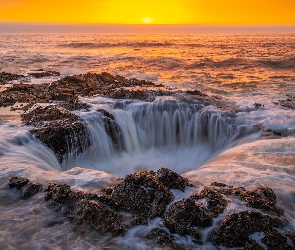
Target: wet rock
(184, 216)
(142, 194)
(81, 204)
(122, 93)
(17, 182)
(46, 114)
(253, 245)
(288, 103)
(26, 187)
(7, 77)
(161, 237)
(235, 229)
(58, 129)
(262, 198)
(113, 129)
(274, 240)
(63, 137)
(74, 104)
(41, 73)
(171, 179)
(258, 105)
(291, 236)
(214, 201)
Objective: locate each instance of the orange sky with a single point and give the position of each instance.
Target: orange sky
(152, 11)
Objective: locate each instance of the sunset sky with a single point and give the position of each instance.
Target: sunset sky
(232, 12)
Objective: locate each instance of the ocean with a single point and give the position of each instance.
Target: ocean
(247, 140)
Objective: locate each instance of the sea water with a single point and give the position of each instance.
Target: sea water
(224, 143)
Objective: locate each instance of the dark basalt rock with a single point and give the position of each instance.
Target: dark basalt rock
(113, 129)
(262, 198)
(26, 187)
(253, 245)
(63, 136)
(274, 240)
(46, 114)
(215, 201)
(41, 73)
(140, 193)
(171, 179)
(235, 229)
(161, 237)
(7, 77)
(82, 205)
(58, 129)
(183, 216)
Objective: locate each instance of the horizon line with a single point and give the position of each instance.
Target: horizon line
(41, 27)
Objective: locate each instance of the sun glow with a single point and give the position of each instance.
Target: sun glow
(147, 20)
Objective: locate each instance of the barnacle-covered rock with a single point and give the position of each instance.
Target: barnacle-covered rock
(184, 216)
(26, 187)
(161, 237)
(235, 229)
(140, 193)
(84, 206)
(58, 129)
(171, 179)
(274, 240)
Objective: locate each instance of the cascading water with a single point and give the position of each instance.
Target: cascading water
(159, 130)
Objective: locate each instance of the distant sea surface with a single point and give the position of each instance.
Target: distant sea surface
(254, 72)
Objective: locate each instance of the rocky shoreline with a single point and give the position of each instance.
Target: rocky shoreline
(143, 196)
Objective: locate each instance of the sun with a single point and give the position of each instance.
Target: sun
(147, 20)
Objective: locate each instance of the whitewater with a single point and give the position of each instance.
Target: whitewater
(247, 139)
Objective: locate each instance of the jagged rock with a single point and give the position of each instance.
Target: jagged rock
(26, 187)
(235, 229)
(171, 179)
(46, 114)
(291, 236)
(63, 137)
(113, 129)
(58, 129)
(215, 202)
(262, 198)
(267, 193)
(7, 77)
(161, 237)
(140, 193)
(82, 204)
(274, 240)
(183, 216)
(41, 73)
(17, 182)
(253, 245)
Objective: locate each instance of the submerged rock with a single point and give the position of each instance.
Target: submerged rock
(161, 237)
(141, 193)
(83, 205)
(235, 229)
(41, 73)
(184, 216)
(26, 187)
(7, 77)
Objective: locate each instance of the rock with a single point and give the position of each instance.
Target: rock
(17, 182)
(274, 240)
(41, 73)
(7, 77)
(171, 179)
(113, 129)
(215, 202)
(82, 205)
(58, 129)
(161, 237)
(63, 137)
(26, 187)
(262, 198)
(235, 229)
(183, 216)
(253, 245)
(141, 194)
(46, 114)
(291, 236)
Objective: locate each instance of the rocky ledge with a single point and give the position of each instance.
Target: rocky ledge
(145, 195)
